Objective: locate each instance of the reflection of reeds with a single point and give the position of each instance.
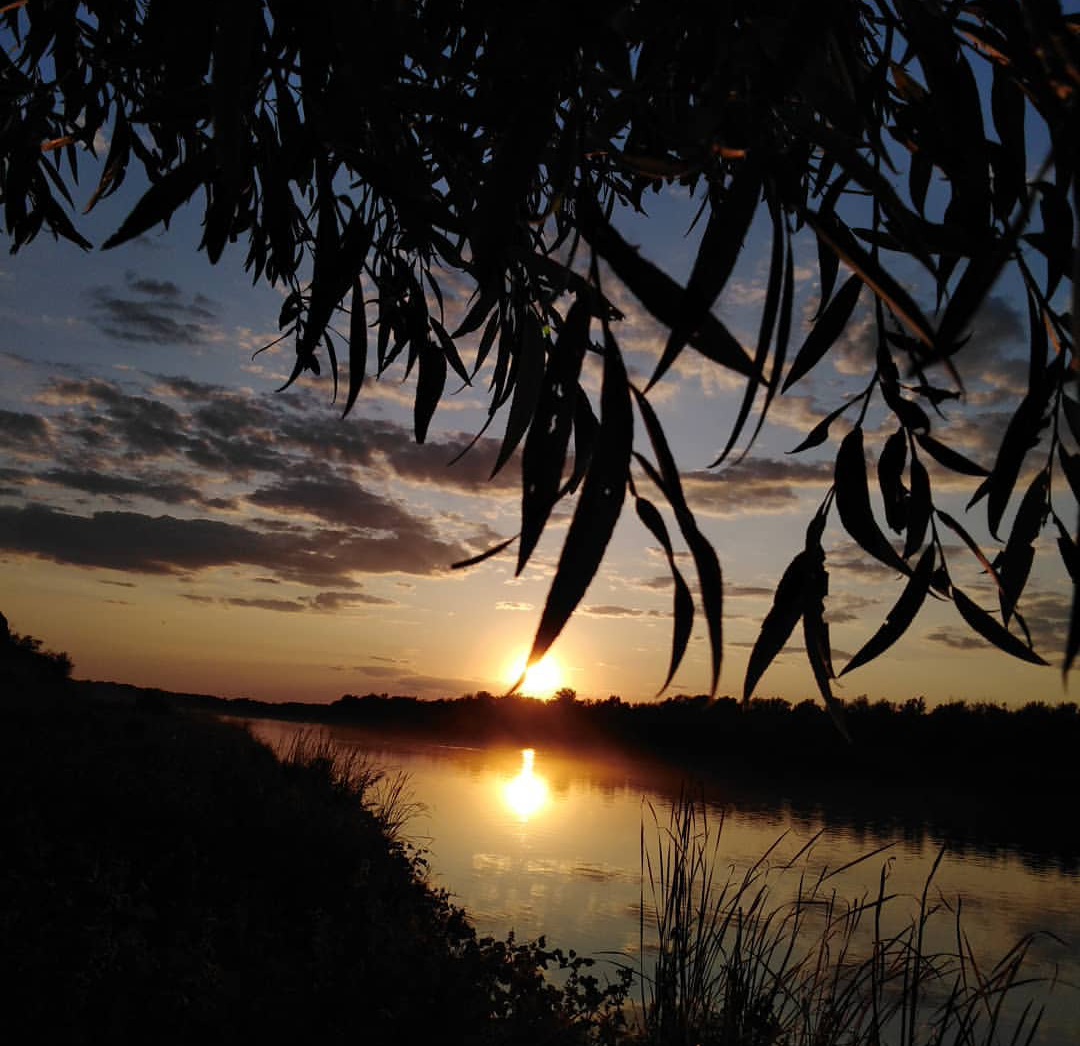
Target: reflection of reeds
(733, 969)
(384, 793)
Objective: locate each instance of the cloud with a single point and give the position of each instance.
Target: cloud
(510, 605)
(171, 491)
(956, 640)
(608, 610)
(755, 486)
(169, 545)
(155, 315)
(750, 591)
(337, 499)
(24, 433)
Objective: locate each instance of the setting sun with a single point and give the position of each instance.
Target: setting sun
(541, 680)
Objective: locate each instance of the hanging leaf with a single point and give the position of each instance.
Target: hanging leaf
(493, 551)
(972, 545)
(549, 433)
(1070, 465)
(1072, 643)
(476, 315)
(453, 357)
(902, 614)
(883, 284)
(788, 602)
(161, 200)
(1014, 564)
(765, 331)
(1072, 415)
(992, 630)
(429, 387)
(358, 347)
(658, 292)
(890, 470)
(527, 385)
(1070, 555)
(816, 633)
(1021, 435)
(853, 502)
(710, 576)
(585, 429)
(949, 458)
(920, 505)
(599, 503)
(721, 243)
(820, 432)
(684, 604)
(826, 330)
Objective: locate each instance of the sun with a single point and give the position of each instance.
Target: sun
(541, 679)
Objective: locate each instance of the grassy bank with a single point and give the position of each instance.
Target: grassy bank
(169, 880)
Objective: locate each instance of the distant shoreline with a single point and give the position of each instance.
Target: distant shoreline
(970, 774)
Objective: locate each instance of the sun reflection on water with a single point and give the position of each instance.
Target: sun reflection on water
(527, 792)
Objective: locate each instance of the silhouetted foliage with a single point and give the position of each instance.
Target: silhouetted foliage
(169, 880)
(395, 150)
(24, 664)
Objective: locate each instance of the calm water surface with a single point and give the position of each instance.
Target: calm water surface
(541, 842)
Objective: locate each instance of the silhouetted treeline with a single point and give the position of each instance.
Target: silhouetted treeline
(907, 740)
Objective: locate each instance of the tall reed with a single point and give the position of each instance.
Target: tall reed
(385, 793)
(733, 968)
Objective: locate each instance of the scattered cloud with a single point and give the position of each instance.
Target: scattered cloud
(153, 312)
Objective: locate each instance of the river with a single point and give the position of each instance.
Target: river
(545, 842)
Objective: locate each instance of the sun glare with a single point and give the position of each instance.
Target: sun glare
(541, 679)
(526, 793)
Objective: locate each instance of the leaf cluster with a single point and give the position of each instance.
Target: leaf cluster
(395, 152)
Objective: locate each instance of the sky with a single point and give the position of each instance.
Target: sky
(169, 519)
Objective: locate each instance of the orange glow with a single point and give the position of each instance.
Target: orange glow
(527, 792)
(541, 680)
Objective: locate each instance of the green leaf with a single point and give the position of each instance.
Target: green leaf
(826, 330)
(358, 347)
(902, 614)
(684, 604)
(853, 502)
(949, 458)
(992, 630)
(599, 503)
(549, 434)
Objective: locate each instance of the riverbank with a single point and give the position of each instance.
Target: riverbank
(167, 879)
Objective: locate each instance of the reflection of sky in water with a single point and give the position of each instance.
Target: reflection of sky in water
(542, 843)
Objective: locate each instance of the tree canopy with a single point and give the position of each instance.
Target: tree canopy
(372, 154)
